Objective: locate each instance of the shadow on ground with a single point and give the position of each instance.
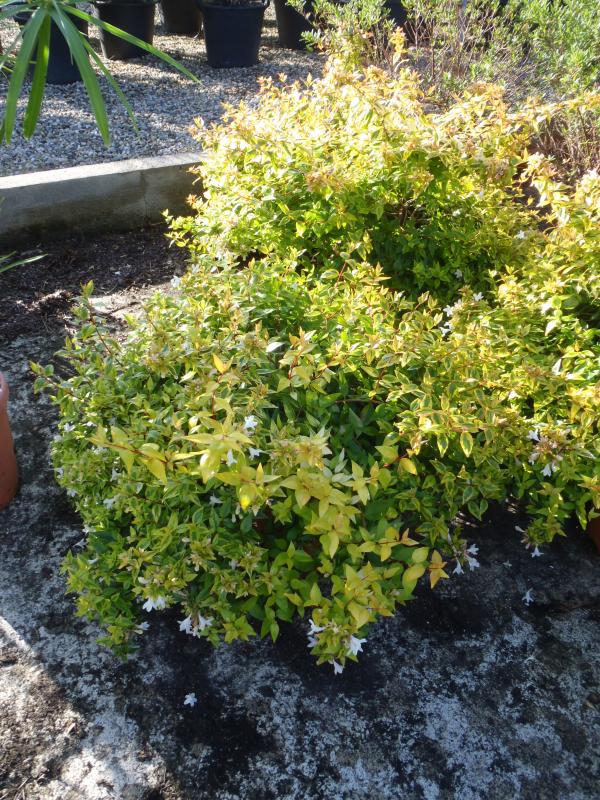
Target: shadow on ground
(466, 693)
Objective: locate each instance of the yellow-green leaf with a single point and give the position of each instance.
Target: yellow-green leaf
(220, 365)
(157, 468)
(466, 442)
(246, 495)
(408, 466)
(413, 573)
(360, 613)
(419, 555)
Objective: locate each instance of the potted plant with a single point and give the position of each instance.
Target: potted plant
(62, 68)
(34, 44)
(292, 23)
(232, 31)
(135, 17)
(9, 473)
(181, 16)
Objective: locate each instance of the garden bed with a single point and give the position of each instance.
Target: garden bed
(467, 693)
(164, 101)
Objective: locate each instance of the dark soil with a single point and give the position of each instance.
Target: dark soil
(37, 297)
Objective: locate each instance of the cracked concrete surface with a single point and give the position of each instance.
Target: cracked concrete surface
(466, 693)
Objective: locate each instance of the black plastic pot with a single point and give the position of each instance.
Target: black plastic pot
(291, 24)
(134, 17)
(232, 33)
(61, 67)
(181, 16)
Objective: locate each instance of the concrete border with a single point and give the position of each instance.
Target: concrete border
(120, 195)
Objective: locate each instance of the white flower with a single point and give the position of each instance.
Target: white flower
(536, 552)
(71, 492)
(59, 472)
(534, 435)
(175, 281)
(456, 212)
(458, 273)
(186, 625)
(533, 457)
(190, 699)
(355, 645)
(528, 597)
(152, 604)
(143, 581)
(204, 622)
(478, 296)
(473, 563)
(109, 502)
(231, 460)
(315, 628)
(250, 422)
(448, 310)
(458, 570)
(557, 367)
(143, 626)
(547, 471)
(337, 668)
(312, 641)
(114, 474)
(67, 427)
(506, 564)
(473, 550)
(214, 500)
(233, 563)
(254, 452)
(519, 529)
(80, 544)
(520, 235)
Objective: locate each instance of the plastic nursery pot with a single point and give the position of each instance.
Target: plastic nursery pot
(291, 24)
(135, 17)
(181, 16)
(9, 472)
(61, 67)
(232, 33)
(593, 531)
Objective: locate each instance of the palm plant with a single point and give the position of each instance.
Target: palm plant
(32, 44)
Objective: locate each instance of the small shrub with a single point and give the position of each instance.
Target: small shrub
(364, 170)
(301, 430)
(270, 444)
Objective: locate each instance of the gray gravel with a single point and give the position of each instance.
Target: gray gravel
(164, 101)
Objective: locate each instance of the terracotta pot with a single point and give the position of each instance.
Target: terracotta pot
(9, 472)
(593, 531)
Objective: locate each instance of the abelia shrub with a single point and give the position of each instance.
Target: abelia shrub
(357, 164)
(300, 431)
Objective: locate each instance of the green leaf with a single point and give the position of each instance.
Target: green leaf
(466, 442)
(30, 35)
(74, 40)
(38, 84)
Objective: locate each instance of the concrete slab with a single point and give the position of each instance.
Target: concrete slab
(120, 195)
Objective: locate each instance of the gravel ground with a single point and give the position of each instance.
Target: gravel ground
(165, 103)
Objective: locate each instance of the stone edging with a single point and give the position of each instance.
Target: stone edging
(120, 195)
